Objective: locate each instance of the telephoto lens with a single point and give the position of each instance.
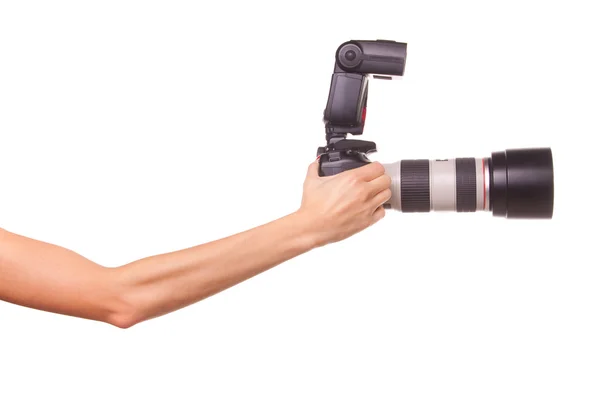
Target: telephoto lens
(515, 183)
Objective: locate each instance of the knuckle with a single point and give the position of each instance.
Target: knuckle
(378, 167)
(365, 195)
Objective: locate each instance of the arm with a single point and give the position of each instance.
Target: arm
(48, 277)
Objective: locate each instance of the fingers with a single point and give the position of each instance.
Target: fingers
(381, 198)
(370, 171)
(378, 214)
(380, 184)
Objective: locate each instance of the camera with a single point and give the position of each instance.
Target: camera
(513, 183)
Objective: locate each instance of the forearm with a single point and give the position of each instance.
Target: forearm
(51, 278)
(160, 284)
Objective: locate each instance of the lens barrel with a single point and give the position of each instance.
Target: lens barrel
(515, 183)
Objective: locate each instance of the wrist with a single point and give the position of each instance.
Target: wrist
(307, 229)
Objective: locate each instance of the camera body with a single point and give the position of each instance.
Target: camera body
(355, 62)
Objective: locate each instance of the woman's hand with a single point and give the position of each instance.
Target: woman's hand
(342, 205)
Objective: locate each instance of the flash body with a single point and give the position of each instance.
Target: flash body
(514, 183)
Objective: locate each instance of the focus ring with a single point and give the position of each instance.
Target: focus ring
(414, 186)
(466, 185)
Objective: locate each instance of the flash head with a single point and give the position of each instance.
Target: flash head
(355, 60)
(376, 57)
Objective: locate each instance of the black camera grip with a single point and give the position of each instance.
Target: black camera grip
(329, 166)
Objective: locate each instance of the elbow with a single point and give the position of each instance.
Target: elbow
(123, 314)
(123, 311)
(123, 319)
(126, 312)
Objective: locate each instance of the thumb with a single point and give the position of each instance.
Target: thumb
(313, 169)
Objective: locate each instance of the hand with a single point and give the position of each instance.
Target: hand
(339, 206)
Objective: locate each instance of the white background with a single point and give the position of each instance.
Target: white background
(132, 128)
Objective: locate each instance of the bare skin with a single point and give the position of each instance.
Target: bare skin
(51, 278)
